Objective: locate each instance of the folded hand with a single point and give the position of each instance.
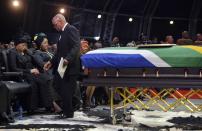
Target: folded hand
(35, 71)
(47, 66)
(65, 63)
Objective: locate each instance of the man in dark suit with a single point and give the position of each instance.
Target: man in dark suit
(68, 47)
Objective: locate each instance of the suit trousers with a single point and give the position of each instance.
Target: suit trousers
(65, 88)
(77, 100)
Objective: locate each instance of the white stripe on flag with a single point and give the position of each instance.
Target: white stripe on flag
(150, 56)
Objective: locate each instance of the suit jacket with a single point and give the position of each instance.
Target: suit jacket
(68, 47)
(19, 62)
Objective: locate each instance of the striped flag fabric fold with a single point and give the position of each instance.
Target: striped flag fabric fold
(133, 57)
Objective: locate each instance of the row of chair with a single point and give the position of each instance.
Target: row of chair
(13, 81)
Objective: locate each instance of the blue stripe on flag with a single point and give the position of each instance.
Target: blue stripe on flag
(109, 60)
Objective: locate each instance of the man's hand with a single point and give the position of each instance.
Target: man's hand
(34, 71)
(47, 66)
(65, 63)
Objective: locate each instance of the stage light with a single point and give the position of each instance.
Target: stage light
(99, 16)
(130, 19)
(97, 38)
(171, 22)
(62, 10)
(16, 3)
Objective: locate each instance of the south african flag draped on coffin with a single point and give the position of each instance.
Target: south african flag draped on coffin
(130, 57)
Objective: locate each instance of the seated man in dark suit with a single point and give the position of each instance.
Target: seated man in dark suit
(198, 39)
(21, 61)
(185, 40)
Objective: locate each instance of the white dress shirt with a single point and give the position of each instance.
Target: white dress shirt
(63, 30)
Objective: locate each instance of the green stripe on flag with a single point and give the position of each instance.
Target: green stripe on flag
(175, 56)
(178, 56)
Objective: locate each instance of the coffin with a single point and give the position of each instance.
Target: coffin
(159, 66)
(144, 57)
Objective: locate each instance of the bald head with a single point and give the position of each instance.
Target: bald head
(58, 22)
(185, 35)
(169, 39)
(59, 17)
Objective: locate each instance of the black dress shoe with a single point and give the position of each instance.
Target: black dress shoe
(59, 113)
(4, 118)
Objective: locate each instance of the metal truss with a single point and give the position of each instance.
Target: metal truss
(146, 21)
(114, 7)
(193, 18)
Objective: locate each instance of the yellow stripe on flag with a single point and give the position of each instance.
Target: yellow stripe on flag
(195, 48)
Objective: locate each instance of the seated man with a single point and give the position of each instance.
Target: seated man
(115, 42)
(198, 39)
(22, 61)
(185, 40)
(169, 39)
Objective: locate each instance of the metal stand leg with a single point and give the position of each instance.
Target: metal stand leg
(112, 115)
(124, 102)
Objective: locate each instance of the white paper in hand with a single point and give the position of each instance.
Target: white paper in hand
(61, 68)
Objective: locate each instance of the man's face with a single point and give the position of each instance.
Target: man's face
(170, 39)
(116, 40)
(56, 24)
